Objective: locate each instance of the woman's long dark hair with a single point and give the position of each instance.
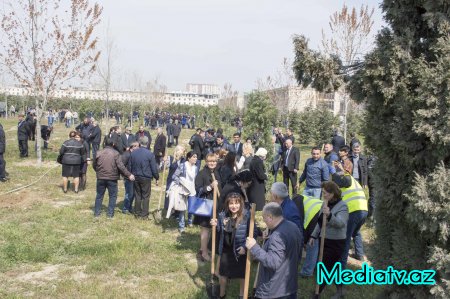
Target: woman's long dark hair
(231, 198)
(230, 160)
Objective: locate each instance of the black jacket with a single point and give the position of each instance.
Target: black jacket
(337, 142)
(73, 152)
(293, 159)
(85, 130)
(363, 169)
(176, 130)
(257, 190)
(203, 180)
(142, 134)
(23, 130)
(96, 135)
(160, 145)
(128, 141)
(198, 146)
(2, 140)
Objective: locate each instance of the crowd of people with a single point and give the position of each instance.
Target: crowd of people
(334, 179)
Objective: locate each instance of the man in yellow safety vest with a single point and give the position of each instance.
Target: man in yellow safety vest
(309, 208)
(352, 194)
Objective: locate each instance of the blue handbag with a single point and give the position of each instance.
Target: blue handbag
(200, 206)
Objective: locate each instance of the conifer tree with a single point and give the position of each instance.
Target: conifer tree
(405, 84)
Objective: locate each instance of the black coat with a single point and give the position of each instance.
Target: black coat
(337, 142)
(128, 141)
(198, 146)
(293, 159)
(176, 130)
(96, 135)
(257, 190)
(73, 152)
(225, 174)
(145, 133)
(203, 180)
(2, 140)
(363, 169)
(160, 146)
(23, 130)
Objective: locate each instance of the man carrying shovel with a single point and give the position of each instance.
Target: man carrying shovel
(279, 256)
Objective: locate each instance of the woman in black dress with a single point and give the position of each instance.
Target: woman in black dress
(239, 183)
(228, 168)
(84, 164)
(205, 182)
(232, 227)
(73, 155)
(257, 190)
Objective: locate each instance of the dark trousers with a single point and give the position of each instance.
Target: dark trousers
(95, 147)
(102, 185)
(290, 176)
(2, 167)
(142, 190)
(23, 148)
(176, 139)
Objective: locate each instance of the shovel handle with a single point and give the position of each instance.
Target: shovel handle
(322, 241)
(248, 262)
(213, 245)
(162, 186)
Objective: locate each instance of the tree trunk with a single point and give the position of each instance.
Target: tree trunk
(39, 114)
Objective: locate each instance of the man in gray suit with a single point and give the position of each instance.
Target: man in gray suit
(291, 161)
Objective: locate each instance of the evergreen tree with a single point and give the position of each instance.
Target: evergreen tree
(405, 83)
(261, 116)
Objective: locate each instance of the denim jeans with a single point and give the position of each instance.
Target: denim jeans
(129, 196)
(314, 192)
(181, 217)
(355, 221)
(312, 253)
(102, 185)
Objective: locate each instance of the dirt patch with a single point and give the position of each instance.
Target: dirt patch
(32, 163)
(23, 198)
(48, 273)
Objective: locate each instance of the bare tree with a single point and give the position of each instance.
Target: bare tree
(229, 96)
(156, 93)
(105, 70)
(349, 40)
(47, 43)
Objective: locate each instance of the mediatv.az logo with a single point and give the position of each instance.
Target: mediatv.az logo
(368, 275)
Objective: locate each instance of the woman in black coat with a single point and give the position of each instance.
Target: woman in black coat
(73, 155)
(257, 190)
(204, 186)
(239, 183)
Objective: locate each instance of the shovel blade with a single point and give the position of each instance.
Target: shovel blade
(213, 290)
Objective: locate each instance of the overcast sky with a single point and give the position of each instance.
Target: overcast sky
(213, 41)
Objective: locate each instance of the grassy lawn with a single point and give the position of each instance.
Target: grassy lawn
(51, 247)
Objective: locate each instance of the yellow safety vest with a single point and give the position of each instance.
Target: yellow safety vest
(311, 207)
(355, 197)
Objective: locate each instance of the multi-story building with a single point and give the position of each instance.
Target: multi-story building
(296, 98)
(173, 97)
(209, 89)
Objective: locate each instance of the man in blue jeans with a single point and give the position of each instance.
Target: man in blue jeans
(108, 165)
(353, 194)
(315, 172)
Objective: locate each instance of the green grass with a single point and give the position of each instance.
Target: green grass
(51, 247)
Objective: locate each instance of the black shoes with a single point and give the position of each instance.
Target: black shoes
(4, 180)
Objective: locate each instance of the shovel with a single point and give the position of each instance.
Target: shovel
(248, 262)
(322, 241)
(212, 288)
(157, 214)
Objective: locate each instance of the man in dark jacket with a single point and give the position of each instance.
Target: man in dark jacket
(290, 161)
(128, 138)
(279, 256)
(337, 141)
(160, 146)
(169, 130)
(143, 165)
(141, 133)
(360, 168)
(198, 146)
(95, 138)
(108, 164)
(23, 132)
(176, 131)
(85, 128)
(2, 151)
